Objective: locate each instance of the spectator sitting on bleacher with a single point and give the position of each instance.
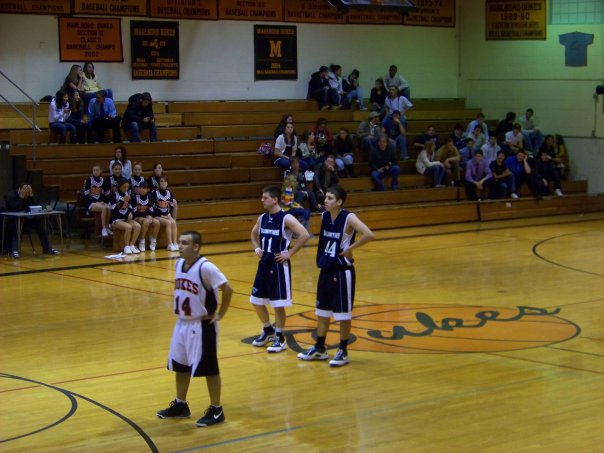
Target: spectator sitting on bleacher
(490, 149)
(320, 90)
(545, 170)
(394, 127)
(343, 147)
(336, 83)
(561, 157)
(139, 115)
(77, 119)
(457, 136)
(121, 157)
(285, 120)
(449, 155)
(466, 152)
(74, 80)
(154, 183)
(143, 215)
(325, 176)
(521, 171)
(479, 121)
(478, 175)
(162, 209)
(323, 138)
(58, 114)
(102, 115)
(368, 133)
(427, 165)
(502, 180)
(353, 89)
(383, 162)
(290, 205)
(392, 79)
(286, 146)
(94, 198)
(429, 135)
(377, 97)
(533, 138)
(137, 178)
(122, 216)
(396, 102)
(479, 137)
(505, 126)
(514, 140)
(308, 150)
(302, 193)
(91, 85)
(110, 184)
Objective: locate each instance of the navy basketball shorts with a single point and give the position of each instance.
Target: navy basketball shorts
(335, 293)
(194, 348)
(272, 285)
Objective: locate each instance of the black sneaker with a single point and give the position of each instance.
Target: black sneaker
(340, 359)
(267, 335)
(176, 410)
(313, 354)
(278, 345)
(212, 416)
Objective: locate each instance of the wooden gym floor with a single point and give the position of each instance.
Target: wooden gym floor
(447, 355)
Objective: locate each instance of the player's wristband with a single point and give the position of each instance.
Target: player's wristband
(257, 250)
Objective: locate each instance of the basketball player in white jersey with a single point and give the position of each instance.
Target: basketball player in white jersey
(193, 351)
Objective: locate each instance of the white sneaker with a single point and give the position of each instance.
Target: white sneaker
(152, 243)
(558, 192)
(128, 250)
(175, 248)
(514, 196)
(141, 245)
(134, 249)
(105, 232)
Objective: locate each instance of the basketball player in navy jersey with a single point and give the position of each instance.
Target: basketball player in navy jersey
(193, 350)
(271, 236)
(335, 289)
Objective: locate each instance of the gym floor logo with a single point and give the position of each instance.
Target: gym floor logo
(439, 329)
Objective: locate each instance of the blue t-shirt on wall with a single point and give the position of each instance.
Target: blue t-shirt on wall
(576, 47)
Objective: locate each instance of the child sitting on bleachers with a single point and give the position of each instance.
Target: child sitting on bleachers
(143, 215)
(164, 203)
(94, 198)
(122, 216)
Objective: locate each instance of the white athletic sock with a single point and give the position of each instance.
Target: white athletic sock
(180, 401)
(266, 324)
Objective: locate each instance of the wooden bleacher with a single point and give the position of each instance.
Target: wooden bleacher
(217, 179)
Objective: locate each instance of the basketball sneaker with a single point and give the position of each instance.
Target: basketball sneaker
(313, 354)
(212, 416)
(128, 250)
(278, 345)
(340, 359)
(176, 410)
(267, 335)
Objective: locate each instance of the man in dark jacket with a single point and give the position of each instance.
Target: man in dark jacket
(139, 115)
(319, 89)
(383, 162)
(20, 200)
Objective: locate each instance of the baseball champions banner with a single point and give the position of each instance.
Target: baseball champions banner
(275, 52)
(88, 39)
(155, 50)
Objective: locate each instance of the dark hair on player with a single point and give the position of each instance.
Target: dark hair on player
(195, 236)
(338, 192)
(116, 164)
(273, 191)
(122, 181)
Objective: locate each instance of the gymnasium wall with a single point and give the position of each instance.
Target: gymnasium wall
(503, 76)
(217, 59)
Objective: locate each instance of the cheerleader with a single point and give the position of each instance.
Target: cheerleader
(153, 182)
(137, 179)
(161, 209)
(143, 215)
(122, 216)
(93, 198)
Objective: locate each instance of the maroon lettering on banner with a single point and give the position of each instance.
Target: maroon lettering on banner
(54, 7)
(111, 7)
(432, 13)
(90, 39)
(188, 9)
(266, 10)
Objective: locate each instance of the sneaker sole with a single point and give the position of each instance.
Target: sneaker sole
(264, 343)
(310, 359)
(177, 416)
(338, 364)
(274, 351)
(202, 425)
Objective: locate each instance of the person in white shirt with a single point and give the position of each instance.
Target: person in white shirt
(396, 80)
(395, 101)
(533, 138)
(514, 139)
(479, 121)
(58, 113)
(490, 149)
(336, 83)
(427, 164)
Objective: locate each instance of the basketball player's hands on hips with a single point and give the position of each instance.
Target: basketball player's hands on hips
(347, 253)
(282, 257)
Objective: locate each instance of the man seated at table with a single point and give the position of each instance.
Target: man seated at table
(20, 200)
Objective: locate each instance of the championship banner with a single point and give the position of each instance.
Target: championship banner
(267, 10)
(155, 50)
(87, 39)
(432, 13)
(111, 7)
(187, 9)
(312, 11)
(275, 52)
(36, 7)
(374, 17)
(516, 20)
